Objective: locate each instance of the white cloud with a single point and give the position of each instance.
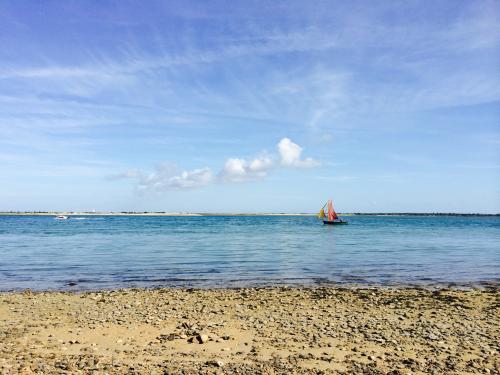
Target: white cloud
(162, 180)
(290, 154)
(191, 179)
(234, 170)
(239, 170)
(260, 164)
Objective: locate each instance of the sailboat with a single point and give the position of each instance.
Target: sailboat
(332, 218)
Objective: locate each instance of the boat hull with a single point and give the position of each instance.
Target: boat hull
(328, 222)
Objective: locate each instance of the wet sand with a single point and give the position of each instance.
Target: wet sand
(248, 331)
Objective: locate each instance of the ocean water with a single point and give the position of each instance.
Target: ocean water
(97, 252)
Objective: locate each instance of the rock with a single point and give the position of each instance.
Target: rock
(164, 338)
(215, 363)
(202, 338)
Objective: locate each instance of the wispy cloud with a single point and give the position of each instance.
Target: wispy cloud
(186, 180)
(131, 173)
(414, 65)
(313, 94)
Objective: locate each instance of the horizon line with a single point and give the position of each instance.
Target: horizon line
(165, 213)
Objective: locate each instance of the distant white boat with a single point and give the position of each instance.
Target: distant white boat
(61, 217)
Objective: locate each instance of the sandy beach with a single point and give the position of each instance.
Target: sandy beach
(248, 331)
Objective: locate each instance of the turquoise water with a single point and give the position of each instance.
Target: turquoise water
(108, 252)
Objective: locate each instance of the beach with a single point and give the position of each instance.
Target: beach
(273, 330)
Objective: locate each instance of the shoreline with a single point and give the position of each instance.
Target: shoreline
(75, 287)
(310, 330)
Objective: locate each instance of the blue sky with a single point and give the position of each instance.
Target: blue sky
(250, 106)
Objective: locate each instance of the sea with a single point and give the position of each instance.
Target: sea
(110, 252)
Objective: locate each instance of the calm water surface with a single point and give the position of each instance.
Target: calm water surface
(107, 252)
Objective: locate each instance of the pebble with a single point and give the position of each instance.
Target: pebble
(202, 338)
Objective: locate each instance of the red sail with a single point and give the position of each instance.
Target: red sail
(335, 217)
(331, 213)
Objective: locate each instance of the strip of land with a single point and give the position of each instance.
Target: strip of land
(125, 213)
(248, 331)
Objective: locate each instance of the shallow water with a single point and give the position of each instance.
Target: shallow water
(95, 252)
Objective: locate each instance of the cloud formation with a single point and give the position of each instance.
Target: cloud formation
(291, 155)
(239, 170)
(164, 178)
(234, 170)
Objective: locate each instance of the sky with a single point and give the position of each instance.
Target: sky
(250, 106)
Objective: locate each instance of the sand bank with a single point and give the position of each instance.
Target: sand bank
(248, 331)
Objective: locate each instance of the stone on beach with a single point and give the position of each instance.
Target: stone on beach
(202, 338)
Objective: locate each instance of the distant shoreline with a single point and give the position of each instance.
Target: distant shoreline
(124, 213)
